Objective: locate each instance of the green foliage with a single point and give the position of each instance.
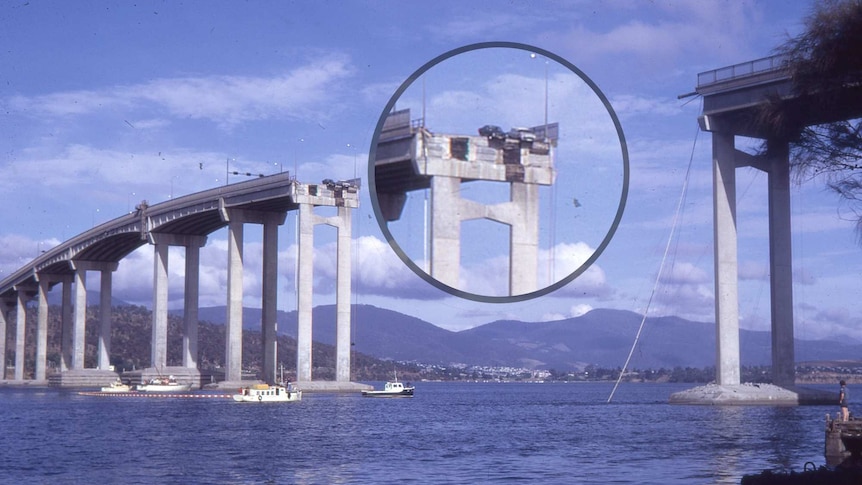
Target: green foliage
(131, 335)
(822, 122)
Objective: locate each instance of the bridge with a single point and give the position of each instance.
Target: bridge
(186, 221)
(733, 98)
(409, 157)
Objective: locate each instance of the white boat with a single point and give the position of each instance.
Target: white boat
(268, 393)
(117, 386)
(392, 389)
(164, 384)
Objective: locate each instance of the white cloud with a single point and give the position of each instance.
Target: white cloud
(225, 100)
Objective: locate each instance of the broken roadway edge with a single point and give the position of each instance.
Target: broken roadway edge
(754, 394)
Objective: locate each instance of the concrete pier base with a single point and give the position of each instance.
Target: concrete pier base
(305, 386)
(332, 386)
(754, 394)
(82, 378)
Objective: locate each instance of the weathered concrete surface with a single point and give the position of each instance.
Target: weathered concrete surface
(82, 378)
(753, 394)
(306, 386)
(332, 386)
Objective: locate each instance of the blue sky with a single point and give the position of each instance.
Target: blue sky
(105, 104)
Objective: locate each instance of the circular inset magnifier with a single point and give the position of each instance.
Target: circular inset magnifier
(498, 172)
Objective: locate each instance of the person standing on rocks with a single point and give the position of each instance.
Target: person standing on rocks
(842, 401)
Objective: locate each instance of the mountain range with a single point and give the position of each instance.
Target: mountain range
(602, 337)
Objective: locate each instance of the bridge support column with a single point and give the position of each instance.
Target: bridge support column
(524, 234)
(304, 292)
(521, 214)
(445, 229)
(79, 328)
(159, 341)
(46, 281)
(191, 298)
(233, 332)
(269, 296)
(24, 293)
(67, 321)
(342, 222)
(105, 289)
(726, 265)
(342, 296)
(161, 247)
(781, 266)
(79, 331)
(233, 351)
(42, 329)
(5, 308)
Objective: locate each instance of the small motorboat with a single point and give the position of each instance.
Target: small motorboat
(117, 386)
(164, 384)
(268, 393)
(392, 389)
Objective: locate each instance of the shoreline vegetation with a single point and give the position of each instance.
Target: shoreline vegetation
(130, 349)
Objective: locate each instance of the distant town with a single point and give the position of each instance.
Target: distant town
(806, 373)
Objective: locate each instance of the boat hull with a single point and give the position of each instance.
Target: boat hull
(117, 388)
(404, 393)
(164, 387)
(391, 389)
(263, 394)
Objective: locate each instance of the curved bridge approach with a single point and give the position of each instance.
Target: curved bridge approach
(186, 221)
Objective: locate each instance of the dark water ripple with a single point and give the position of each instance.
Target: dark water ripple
(449, 433)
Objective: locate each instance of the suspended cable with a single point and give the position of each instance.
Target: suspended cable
(661, 266)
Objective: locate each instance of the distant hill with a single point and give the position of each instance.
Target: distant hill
(601, 337)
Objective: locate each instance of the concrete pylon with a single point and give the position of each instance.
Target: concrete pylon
(524, 237)
(105, 309)
(342, 195)
(42, 330)
(342, 296)
(781, 266)
(449, 161)
(5, 306)
(726, 264)
(236, 218)
(445, 249)
(80, 309)
(191, 298)
(24, 294)
(342, 222)
(46, 281)
(80, 320)
(776, 164)
(161, 253)
(269, 296)
(305, 291)
(67, 324)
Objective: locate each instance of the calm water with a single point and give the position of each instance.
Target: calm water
(448, 433)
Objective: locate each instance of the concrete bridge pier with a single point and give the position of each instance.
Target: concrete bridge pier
(342, 222)
(66, 322)
(236, 218)
(6, 305)
(777, 167)
(781, 265)
(79, 330)
(25, 293)
(159, 347)
(45, 282)
(726, 263)
(520, 213)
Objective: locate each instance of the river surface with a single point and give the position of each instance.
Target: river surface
(551, 433)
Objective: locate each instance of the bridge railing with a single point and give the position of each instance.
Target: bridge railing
(744, 69)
